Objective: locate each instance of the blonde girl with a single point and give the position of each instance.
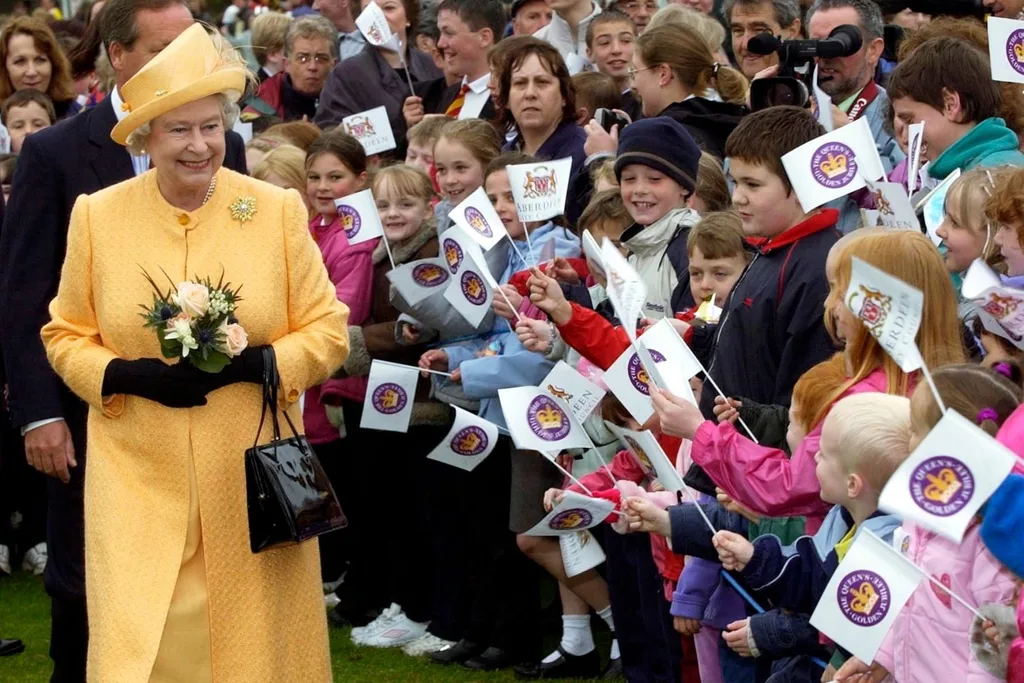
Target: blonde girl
(285, 167)
(461, 154)
(966, 230)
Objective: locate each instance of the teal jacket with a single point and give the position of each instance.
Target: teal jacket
(990, 143)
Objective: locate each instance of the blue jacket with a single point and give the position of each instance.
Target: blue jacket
(513, 365)
(890, 153)
(990, 143)
(1003, 520)
(794, 577)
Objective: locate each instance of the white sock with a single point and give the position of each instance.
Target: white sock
(576, 636)
(606, 614)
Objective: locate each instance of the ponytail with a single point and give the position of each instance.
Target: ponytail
(730, 84)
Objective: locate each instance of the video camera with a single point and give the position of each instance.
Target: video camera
(936, 8)
(790, 87)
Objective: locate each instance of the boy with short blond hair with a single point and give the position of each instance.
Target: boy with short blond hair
(421, 137)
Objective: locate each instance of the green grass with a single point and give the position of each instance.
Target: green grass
(25, 614)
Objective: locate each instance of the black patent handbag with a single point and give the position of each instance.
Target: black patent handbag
(288, 495)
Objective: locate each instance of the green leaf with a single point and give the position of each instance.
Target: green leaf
(213, 363)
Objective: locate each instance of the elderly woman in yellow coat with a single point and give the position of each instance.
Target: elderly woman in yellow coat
(174, 592)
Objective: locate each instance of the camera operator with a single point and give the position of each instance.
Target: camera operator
(748, 18)
(849, 81)
(1007, 9)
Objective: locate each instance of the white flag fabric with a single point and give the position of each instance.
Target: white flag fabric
(417, 280)
(626, 289)
(628, 379)
(822, 104)
(948, 477)
(575, 513)
(539, 422)
(978, 278)
(833, 165)
(469, 294)
(359, 217)
(477, 217)
(389, 397)
(663, 336)
(539, 189)
(470, 440)
(889, 308)
(580, 552)
(1006, 49)
(866, 593)
(578, 392)
(649, 454)
(934, 206)
(915, 133)
(456, 246)
(894, 208)
(1001, 310)
(374, 25)
(372, 129)
(593, 251)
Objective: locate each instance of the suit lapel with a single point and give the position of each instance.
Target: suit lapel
(110, 161)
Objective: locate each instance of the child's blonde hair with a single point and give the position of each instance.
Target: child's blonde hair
(605, 171)
(712, 188)
(971, 192)
(407, 181)
(717, 235)
(286, 161)
(912, 258)
(873, 435)
(604, 207)
(479, 137)
(428, 130)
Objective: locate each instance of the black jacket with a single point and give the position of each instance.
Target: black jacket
(366, 81)
(56, 165)
(709, 123)
(772, 327)
(437, 95)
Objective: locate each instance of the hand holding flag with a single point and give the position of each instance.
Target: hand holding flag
(734, 551)
(547, 295)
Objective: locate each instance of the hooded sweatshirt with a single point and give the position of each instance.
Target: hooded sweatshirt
(708, 122)
(990, 143)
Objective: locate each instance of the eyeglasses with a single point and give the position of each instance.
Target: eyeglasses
(320, 58)
(634, 6)
(631, 72)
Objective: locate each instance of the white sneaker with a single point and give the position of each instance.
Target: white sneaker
(5, 559)
(331, 600)
(401, 631)
(426, 644)
(378, 625)
(35, 559)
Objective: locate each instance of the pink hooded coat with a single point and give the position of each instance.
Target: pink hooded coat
(765, 479)
(350, 267)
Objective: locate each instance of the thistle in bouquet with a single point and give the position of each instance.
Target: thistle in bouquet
(195, 322)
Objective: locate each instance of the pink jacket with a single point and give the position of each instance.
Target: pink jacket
(1011, 435)
(765, 479)
(930, 639)
(350, 268)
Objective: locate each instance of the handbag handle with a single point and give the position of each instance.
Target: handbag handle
(271, 382)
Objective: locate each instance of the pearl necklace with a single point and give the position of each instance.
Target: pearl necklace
(209, 190)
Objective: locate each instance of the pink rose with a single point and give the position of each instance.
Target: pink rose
(192, 299)
(235, 339)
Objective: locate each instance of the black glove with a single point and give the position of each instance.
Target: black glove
(175, 386)
(245, 367)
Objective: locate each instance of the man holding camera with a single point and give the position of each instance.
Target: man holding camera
(849, 81)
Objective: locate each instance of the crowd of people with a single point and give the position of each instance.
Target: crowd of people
(147, 137)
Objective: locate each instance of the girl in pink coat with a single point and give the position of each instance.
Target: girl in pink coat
(930, 639)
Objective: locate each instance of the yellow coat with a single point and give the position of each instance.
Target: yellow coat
(267, 620)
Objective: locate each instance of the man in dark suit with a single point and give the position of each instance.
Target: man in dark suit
(56, 166)
(469, 28)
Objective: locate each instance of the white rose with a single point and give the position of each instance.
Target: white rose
(235, 339)
(192, 299)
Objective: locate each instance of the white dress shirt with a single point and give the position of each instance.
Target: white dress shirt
(476, 97)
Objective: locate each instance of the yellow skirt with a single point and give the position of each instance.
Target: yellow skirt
(184, 655)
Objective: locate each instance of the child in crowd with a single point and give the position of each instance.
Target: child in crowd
(594, 90)
(602, 174)
(336, 167)
(930, 639)
(712, 192)
(718, 256)
(864, 439)
(948, 84)
(258, 147)
(610, 38)
(403, 195)
(766, 479)
(284, 166)
(422, 137)
(25, 112)
(1005, 210)
(966, 231)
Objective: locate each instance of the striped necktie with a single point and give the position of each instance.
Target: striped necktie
(456, 106)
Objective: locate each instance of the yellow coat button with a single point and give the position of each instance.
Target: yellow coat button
(183, 219)
(293, 396)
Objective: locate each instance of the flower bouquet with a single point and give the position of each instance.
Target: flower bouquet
(195, 321)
